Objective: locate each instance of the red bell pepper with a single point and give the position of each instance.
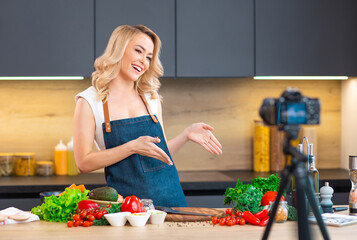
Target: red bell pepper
(132, 204)
(87, 205)
(250, 218)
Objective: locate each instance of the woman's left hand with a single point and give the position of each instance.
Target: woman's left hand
(201, 133)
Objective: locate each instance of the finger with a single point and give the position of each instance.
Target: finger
(213, 149)
(153, 139)
(205, 145)
(207, 127)
(162, 156)
(214, 139)
(216, 148)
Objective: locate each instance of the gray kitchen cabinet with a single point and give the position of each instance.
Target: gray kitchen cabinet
(215, 38)
(158, 15)
(304, 37)
(46, 38)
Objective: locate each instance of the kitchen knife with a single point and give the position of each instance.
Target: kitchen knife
(173, 211)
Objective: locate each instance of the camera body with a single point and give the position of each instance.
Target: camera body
(290, 109)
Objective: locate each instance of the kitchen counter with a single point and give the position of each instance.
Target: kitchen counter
(194, 183)
(196, 230)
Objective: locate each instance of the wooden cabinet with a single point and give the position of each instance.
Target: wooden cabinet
(158, 15)
(46, 38)
(304, 37)
(215, 38)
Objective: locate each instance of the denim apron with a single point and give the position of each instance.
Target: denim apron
(138, 175)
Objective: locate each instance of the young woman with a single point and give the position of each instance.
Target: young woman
(121, 112)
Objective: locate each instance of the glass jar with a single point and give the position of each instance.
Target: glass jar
(261, 147)
(25, 164)
(44, 168)
(281, 213)
(6, 164)
(148, 204)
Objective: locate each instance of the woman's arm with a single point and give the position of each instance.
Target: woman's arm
(83, 139)
(200, 133)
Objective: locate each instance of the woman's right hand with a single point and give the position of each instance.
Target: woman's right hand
(146, 146)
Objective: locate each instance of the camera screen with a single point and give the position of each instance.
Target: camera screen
(296, 113)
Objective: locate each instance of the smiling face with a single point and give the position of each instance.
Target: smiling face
(137, 57)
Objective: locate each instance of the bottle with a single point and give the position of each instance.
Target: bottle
(61, 159)
(353, 178)
(261, 147)
(326, 196)
(71, 163)
(314, 173)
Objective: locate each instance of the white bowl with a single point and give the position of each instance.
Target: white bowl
(157, 217)
(117, 219)
(138, 219)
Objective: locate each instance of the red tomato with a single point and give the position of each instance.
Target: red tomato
(270, 197)
(70, 224)
(75, 217)
(98, 215)
(90, 223)
(91, 218)
(80, 222)
(239, 214)
(241, 221)
(222, 221)
(104, 212)
(83, 214)
(76, 223)
(234, 220)
(229, 211)
(214, 220)
(230, 222)
(86, 224)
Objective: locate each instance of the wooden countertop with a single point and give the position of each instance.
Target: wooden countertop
(46, 230)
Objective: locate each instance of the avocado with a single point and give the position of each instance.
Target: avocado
(104, 193)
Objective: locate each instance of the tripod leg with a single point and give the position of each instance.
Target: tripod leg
(285, 178)
(300, 177)
(315, 209)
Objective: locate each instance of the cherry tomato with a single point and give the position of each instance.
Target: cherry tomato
(80, 221)
(234, 220)
(75, 217)
(109, 205)
(229, 211)
(104, 212)
(76, 223)
(227, 218)
(99, 215)
(241, 221)
(91, 218)
(230, 222)
(70, 224)
(83, 215)
(239, 214)
(214, 220)
(86, 224)
(222, 221)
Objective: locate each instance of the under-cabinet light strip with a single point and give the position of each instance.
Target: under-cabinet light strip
(300, 77)
(44, 78)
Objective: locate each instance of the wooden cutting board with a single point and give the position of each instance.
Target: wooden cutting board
(192, 218)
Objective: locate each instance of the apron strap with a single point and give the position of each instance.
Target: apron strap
(154, 119)
(106, 116)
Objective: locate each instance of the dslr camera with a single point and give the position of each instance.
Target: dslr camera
(290, 109)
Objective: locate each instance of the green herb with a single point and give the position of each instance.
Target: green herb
(292, 214)
(267, 184)
(248, 197)
(249, 200)
(61, 208)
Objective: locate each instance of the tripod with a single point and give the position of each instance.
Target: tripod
(303, 187)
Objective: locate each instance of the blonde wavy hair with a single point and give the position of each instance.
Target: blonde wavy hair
(107, 66)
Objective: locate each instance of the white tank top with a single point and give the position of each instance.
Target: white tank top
(97, 108)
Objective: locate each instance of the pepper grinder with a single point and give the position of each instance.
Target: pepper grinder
(326, 195)
(353, 178)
